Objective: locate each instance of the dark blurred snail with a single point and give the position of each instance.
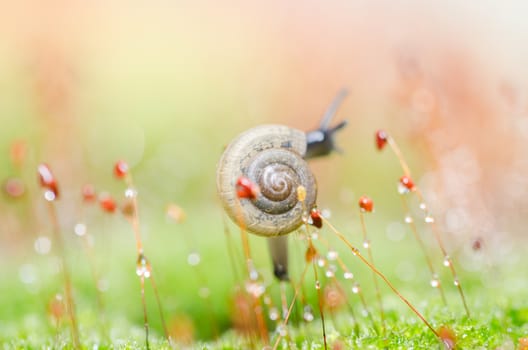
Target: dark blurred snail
(274, 158)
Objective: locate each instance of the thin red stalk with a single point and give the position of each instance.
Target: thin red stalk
(371, 258)
(405, 167)
(70, 303)
(414, 230)
(296, 293)
(356, 252)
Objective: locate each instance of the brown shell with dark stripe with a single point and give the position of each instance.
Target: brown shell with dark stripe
(271, 156)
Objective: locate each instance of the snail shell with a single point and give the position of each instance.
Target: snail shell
(271, 156)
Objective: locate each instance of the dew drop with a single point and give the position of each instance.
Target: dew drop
(131, 192)
(253, 274)
(456, 282)
(355, 288)
(193, 259)
(423, 206)
(42, 245)
(435, 282)
(429, 219)
(255, 289)
(308, 314)
(49, 195)
(143, 268)
(326, 213)
(274, 314)
(27, 274)
(79, 229)
(348, 275)
(330, 271)
(332, 255)
(447, 261)
(306, 217)
(408, 219)
(366, 244)
(402, 189)
(282, 330)
(317, 285)
(321, 262)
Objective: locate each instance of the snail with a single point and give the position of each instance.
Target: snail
(274, 157)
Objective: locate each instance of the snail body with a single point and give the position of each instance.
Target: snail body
(271, 156)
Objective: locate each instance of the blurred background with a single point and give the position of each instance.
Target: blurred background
(165, 85)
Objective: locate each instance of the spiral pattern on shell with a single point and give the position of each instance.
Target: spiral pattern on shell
(271, 156)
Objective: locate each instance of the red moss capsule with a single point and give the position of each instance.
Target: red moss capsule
(381, 139)
(477, 244)
(448, 337)
(107, 203)
(120, 169)
(14, 187)
(245, 188)
(47, 180)
(366, 204)
(317, 220)
(406, 183)
(88, 193)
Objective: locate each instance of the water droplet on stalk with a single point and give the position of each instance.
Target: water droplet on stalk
(332, 255)
(193, 259)
(79, 229)
(348, 275)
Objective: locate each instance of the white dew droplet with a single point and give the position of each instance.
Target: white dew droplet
(408, 219)
(273, 314)
(130, 192)
(447, 261)
(308, 315)
(42, 245)
(326, 213)
(49, 195)
(348, 275)
(423, 206)
(193, 259)
(429, 219)
(366, 244)
(27, 274)
(255, 289)
(402, 189)
(355, 288)
(435, 282)
(332, 255)
(79, 229)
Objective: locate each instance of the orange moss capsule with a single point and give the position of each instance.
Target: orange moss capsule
(381, 139)
(47, 180)
(120, 169)
(366, 204)
(107, 203)
(317, 220)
